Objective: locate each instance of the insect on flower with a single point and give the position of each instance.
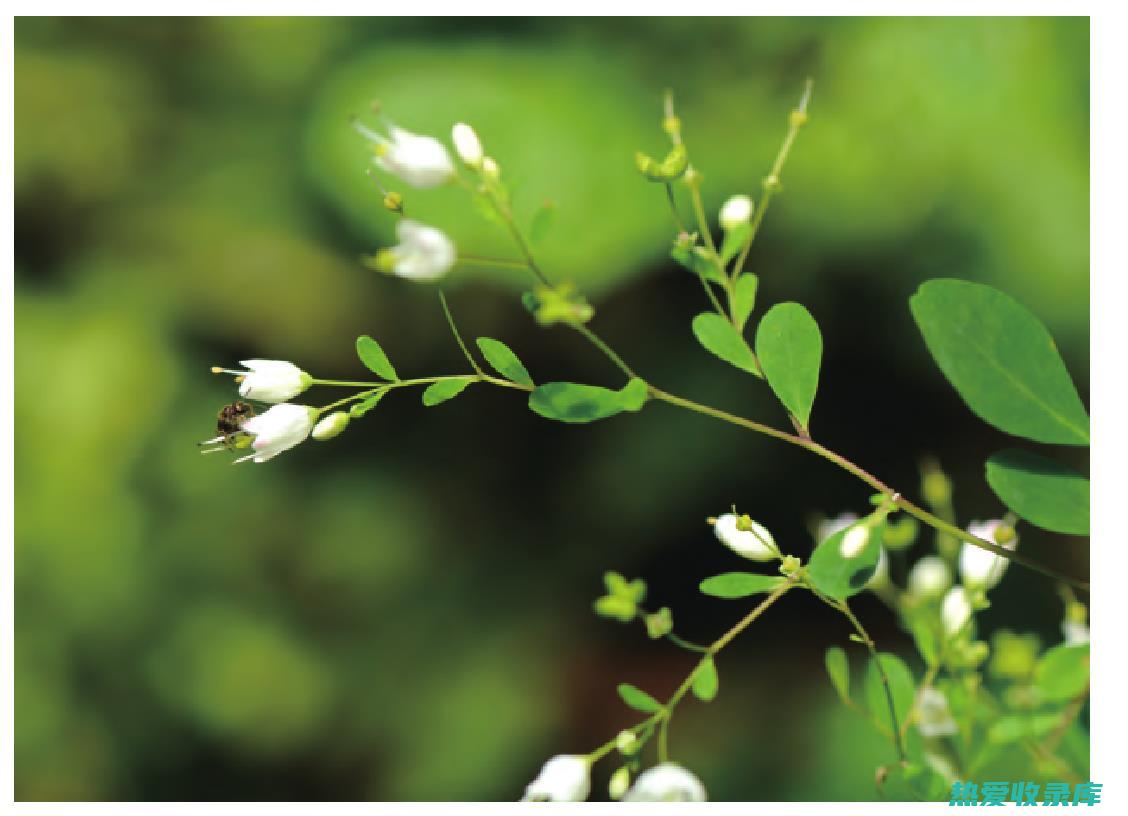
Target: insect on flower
(229, 426)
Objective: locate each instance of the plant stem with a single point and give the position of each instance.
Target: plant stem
(898, 740)
(486, 378)
(598, 342)
(458, 336)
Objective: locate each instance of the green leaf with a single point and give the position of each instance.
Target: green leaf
(1045, 493)
(1063, 671)
(443, 390)
(572, 402)
(734, 242)
(789, 345)
(744, 298)
(374, 358)
(638, 699)
(1001, 360)
(840, 571)
(698, 261)
(719, 337)
(733, 585)
(361, 408)
(706, 683)
(503, 360)
(542, 222)
(838, 668)
(900, 684)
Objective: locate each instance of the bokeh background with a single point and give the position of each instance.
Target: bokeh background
(405, 613)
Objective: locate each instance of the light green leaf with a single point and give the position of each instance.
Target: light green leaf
(1045, 493)
(842, 564)
(361, 408)
(706, 683)
(443, 390)
(719, 337)
(838, 668)
(900, 684)
(374, 358)
(503, 360)
(733, 585)
(638, 699)
(734, 242)
(744, 298)
(698, 261)
(572, 402)
(1001, 360)
(789, 345)
(542, 222)
(1063, 671)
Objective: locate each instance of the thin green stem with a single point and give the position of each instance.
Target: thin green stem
(598, 342)
(481, 260)
(458, 336)
(390, 386)
(898, 740)
(346, 383)
(694, 186)
(674, 207)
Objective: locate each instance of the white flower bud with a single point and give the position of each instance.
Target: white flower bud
(980, 568)
(736, 212)
(423, 254)
(467, 145)
(564, 778)
(329, 426)
(421, 161)
(490, 170)
(619, 782)
(929, 578)
(933, 718)
(955, 610)
(667, 782)
(1075, 632)
(278, 430)
(269, 380)
(756, 543)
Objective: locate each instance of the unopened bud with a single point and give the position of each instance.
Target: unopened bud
(467, 145)
(790, 565)
(798, 118)
(626, 742)
(329, 426)
(736, 212)
(490, 171)
(620, 782)
(393, 202)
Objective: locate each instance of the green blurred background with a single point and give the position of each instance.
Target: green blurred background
(404, 613)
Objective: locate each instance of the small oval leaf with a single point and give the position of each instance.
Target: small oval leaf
(838, 669)
(732, 585)
(1045, 493)
(443, 390)
(374, 358)
(744, 298)
(789, 345)
(841, 565)
(576, 403)
(706, 683)
(721, 338)
(1062, 672)
(503, 360)
(638, 699)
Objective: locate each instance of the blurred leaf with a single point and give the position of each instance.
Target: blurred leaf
(733, 242)
(374, 358)
(839, 567)
(1001, 360)
(912, 781)
(1063, 671)
(443, 390)
(638, 699)
(697, 260)
(838, 668)
(575, 403)
(542, 222)
(504, 361)
(900, 684)
(1014, 727)
(744, 298)
(1045, 493)
(706, 683)
(719, 337)
(739, 584)
(789, 345)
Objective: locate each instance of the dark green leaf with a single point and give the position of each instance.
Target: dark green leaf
(1040, 490)
(744, 298)
(443, 390)
(542, 222)
(374, 358)
(504, 361)
(1063, 671)
(900, 684)
(733, 585)
(838, 571)
(572, 402)
(789, 345)
(719, 337)
(638, 699)
(705, 680)
(361, 408)
(1001, 360)
(838, 668)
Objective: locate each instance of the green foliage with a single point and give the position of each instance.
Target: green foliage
(659, 624)
(638, 699)
(504, 361)
(706, 683)
(542, 222)
(697, 260)
(734, 585)
(840, 572)
(789, 345)
(1001, 360)
(1063, 672)
(838, 669)
(900, 684)
(365, 405)
(444, 390)
(719, 337)
(374, 358)
(1041, 491)
(733, 242)
(576, 403)
(622, 598)
(912, 781)
(744, 298)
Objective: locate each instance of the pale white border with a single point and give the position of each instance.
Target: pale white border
(1109, 139)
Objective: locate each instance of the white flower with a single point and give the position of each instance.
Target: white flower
(467, 145)
(829, 527)
(667, 782)
(736, 212)
(423, 253)
(1075, 632)
(981, 568)
(329, 426)
(756, 543)
(929, 578)
(270, 380)
(421, 161)
(955, 610)
(564, 778)
(277, 430)
(933, 718)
